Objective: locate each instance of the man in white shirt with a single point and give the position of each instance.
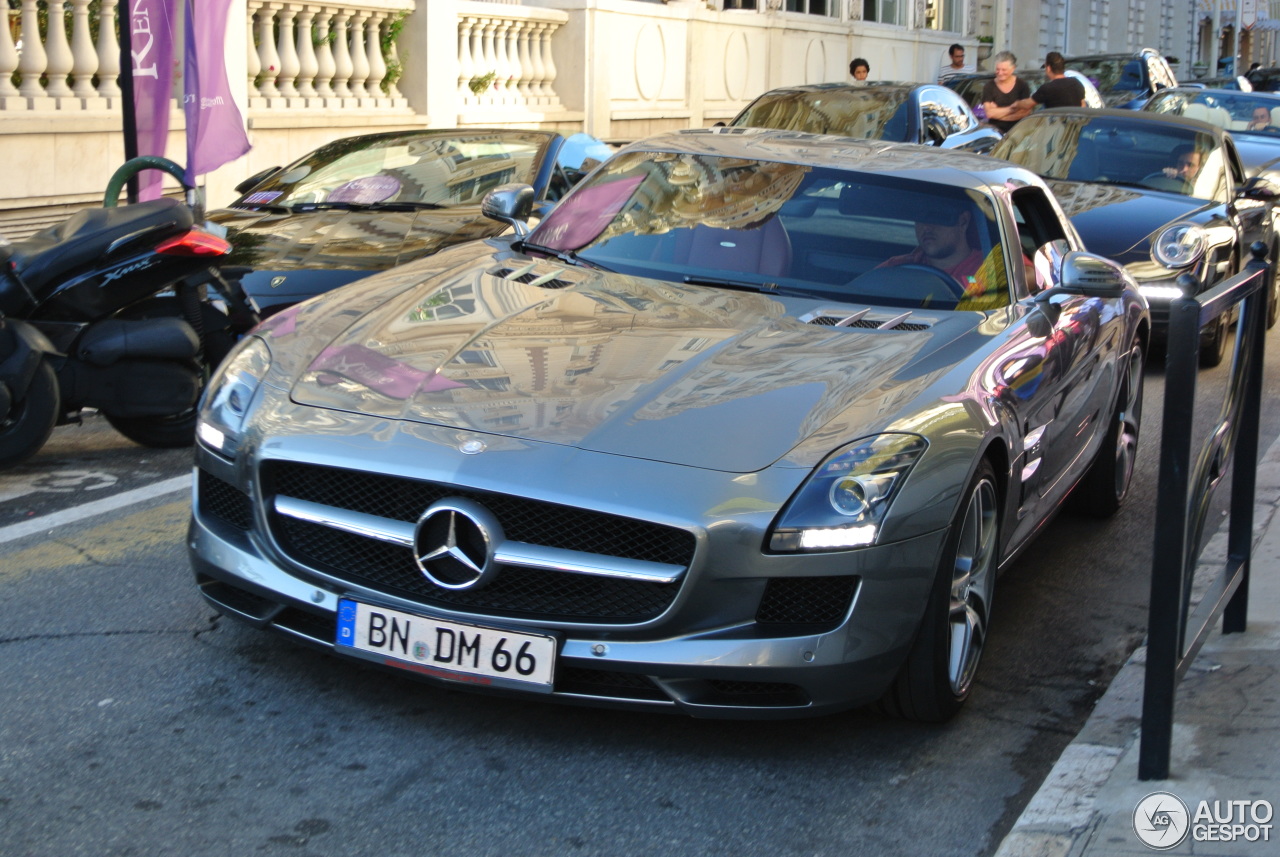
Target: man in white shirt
(955, 64)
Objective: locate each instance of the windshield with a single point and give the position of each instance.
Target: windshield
(783, 228)
(1119, 151)
(1116, 79)
(1237, 112)
(428, 170)
(876, 113)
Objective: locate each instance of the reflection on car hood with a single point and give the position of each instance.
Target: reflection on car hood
(356, 240)
(1115, 221)
(713, 378)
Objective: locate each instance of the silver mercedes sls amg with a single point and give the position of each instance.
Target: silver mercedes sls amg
(748, 426)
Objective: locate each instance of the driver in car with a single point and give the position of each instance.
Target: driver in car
(944, 241)
(1261, 120)
(1189, 161)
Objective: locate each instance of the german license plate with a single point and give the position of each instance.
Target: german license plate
(448, 650)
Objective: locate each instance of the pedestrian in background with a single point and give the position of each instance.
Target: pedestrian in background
(954, 64)
(1001, 94)
(859, 68)
(1058, 91)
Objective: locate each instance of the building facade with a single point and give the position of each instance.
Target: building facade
(308, 72)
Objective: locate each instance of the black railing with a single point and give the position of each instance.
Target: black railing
(1175, 634)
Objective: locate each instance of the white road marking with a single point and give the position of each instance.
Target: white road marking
(58, 481)
(97, 507)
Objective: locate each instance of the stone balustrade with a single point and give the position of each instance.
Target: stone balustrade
(504, 56)
(300, 56)
(311, 55)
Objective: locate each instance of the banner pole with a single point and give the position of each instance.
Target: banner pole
(128, 106)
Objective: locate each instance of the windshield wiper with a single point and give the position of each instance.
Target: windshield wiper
(265, 206)
(742, 285)
(567, 256)
(366, 206)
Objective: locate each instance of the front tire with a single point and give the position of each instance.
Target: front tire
(31, 419)
(937, 676)
(169, 432)
(1213, 348)
(1106, 485)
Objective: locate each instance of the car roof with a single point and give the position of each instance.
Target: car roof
(904, 160)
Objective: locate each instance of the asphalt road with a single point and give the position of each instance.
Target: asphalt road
(136, 722)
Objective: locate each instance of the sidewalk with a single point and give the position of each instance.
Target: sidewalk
(1226, 739)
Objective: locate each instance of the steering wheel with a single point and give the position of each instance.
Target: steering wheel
(1159, 181)
(953, 285)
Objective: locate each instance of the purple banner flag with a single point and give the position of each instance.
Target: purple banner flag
(151, 25)
(215, 129)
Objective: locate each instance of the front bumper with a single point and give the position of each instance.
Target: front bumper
(705, 655)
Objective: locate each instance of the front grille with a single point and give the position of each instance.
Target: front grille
(817, 601)
(760, 693)
(515, 591)
(223, 501)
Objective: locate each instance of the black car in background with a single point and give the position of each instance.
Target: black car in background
(364, 204)
(897, 112)
(1109, 169)
(1126, 80)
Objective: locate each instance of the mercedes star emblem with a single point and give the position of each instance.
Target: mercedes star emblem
(454, 543)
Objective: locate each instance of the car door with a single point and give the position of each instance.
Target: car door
(1252, 217)
(1060, 372)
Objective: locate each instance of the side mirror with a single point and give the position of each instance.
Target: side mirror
(511, 204)
(256, 178)
(934, 131)
(1088, 274)
(1259, 188)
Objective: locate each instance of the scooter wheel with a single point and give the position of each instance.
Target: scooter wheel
(168, 432)
(31, 419)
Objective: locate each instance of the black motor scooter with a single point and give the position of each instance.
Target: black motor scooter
(125, 309)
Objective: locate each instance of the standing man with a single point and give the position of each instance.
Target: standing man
(956, 66)
(1058, 91)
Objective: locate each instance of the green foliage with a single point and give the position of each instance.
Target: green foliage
(482, 82)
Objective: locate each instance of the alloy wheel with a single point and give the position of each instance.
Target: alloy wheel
(973, 581)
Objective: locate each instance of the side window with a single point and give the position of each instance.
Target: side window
(1038, 224)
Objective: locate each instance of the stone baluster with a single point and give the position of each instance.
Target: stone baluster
(377, 65)
(538, 87)
(252, 64)
(489, 61)
(341, 56)
(84, 59)
(8, 63)
(528, 71)
(359, 56)
(466, 62)
(308, 66)
(549, 65)
(108, 52)
(289, 65)
(393, 60)
(60, 61)
(324, 54)
(502, 61)
(32, 62)
(267, 56)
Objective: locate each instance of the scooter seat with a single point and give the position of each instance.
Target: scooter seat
(87, 236)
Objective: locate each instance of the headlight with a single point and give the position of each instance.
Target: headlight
(1178, 245)
(229, 395)
(842, 504)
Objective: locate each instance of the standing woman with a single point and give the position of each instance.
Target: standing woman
(1000, 94)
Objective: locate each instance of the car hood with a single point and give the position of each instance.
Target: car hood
(726, 380)
(1115, 221)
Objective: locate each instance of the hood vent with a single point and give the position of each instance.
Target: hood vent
(533, 274)
(865, 321)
